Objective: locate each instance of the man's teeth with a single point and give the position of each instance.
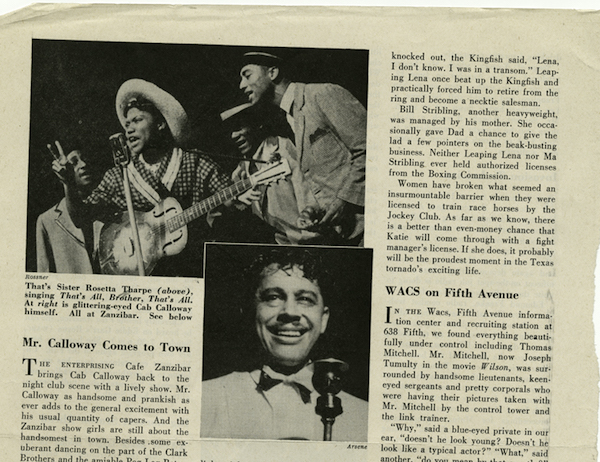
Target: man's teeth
(289, 333)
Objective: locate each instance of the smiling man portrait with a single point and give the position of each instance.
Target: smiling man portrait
(288, 314)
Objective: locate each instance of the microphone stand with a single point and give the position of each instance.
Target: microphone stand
(327, 380)
(122, 157)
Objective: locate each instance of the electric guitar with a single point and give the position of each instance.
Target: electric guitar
(163, 231)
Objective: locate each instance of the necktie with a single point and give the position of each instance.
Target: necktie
(266, 382)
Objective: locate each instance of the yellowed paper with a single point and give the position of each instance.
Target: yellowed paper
(474, 288)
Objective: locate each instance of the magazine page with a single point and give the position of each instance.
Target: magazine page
(263, 233)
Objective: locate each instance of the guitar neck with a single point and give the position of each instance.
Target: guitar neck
(205, 206)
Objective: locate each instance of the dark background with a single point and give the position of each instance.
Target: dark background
(74, 84)
(230, 340)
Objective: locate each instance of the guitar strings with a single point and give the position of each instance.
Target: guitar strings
(201, 208)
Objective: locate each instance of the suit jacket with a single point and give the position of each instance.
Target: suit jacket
(282, 202)
(233, 407)
(60, 244)
(330, 128)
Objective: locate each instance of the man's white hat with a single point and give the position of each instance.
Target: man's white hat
(166, 104)
(229, 113)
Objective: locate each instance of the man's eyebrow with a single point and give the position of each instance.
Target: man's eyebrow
(266, 290)
(306, 291)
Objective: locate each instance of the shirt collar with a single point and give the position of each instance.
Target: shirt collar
(303, 376)
(288, 98)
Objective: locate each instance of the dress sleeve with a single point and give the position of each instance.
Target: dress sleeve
(210, 179)
(105, 191)
(104, 199)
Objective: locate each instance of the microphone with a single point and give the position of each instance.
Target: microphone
(122, 157)
(120, 150)
(327, 380)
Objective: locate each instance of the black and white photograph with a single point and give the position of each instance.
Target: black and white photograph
(140, 152)
(286, 342)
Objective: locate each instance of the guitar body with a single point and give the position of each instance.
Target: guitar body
(163, 231)
(117, 252)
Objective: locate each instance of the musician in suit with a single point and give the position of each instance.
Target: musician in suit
(330, 127)
(276, 400)
(156, 129)
(283, 205)
(61, 246)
